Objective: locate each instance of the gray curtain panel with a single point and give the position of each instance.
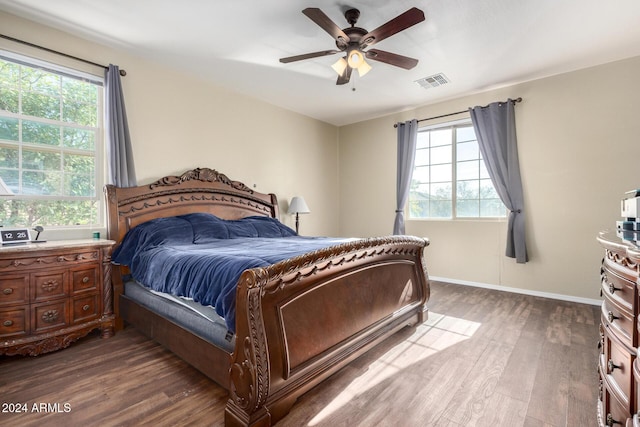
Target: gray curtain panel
(407, 137)
(495, 127)
(119, 152)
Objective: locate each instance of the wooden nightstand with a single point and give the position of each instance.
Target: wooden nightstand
(54, 293)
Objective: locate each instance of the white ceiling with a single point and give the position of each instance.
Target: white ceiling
(477, 44)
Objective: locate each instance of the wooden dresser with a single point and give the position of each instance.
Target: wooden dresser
(54, 293)
(618, 366)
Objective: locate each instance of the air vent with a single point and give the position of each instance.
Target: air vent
(433, 81)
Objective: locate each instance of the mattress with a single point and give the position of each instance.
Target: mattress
(196, 318)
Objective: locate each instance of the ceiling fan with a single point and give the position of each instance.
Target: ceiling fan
(354, 40)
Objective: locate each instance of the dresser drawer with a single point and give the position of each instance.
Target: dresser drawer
(48, 316)
(84, 280)
(616, 364)
(613, 412)
(14, 289)
(48, 284)
(14, 322)
(85, 308)
(619, 289)
(620, 321)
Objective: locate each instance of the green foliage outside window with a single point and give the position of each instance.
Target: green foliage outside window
(49, 133)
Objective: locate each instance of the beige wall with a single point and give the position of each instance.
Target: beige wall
(577, 139)
(578, 136)
(178, 122)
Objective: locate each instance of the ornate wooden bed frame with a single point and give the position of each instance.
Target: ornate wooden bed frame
(297, 321)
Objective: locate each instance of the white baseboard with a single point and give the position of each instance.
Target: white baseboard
(519, 291)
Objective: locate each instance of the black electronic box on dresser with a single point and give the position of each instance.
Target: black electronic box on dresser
(618, 365)
(53, 293)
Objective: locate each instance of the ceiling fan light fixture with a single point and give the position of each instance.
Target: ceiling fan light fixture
(364, 68)
(339, 66)
(355, 58)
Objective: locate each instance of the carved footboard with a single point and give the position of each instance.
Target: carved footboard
(299, 321)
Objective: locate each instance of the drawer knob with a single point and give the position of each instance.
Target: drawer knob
(7, 291)
(611, 421)
(8, 322)
(611, 317)
(50, 316)
(85, 279)
(612, 288)
(612, 366)
(85, 307)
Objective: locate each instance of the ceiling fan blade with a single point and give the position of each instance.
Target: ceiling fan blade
(344, 77)
(308, 56)
(322, 20)
(399, 23)
(391, 58)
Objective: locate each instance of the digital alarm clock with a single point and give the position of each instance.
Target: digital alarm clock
(11, 236)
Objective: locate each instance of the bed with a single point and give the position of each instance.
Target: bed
(297, 320)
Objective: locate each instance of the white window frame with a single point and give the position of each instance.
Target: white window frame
(454, 216)
(99, 147)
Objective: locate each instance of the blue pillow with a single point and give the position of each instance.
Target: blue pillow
(206, 227)
(269, 227)
(158, 231)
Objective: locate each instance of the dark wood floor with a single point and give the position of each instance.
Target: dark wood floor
(484, 358)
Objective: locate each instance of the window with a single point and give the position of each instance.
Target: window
(450, 179)
(51, 157)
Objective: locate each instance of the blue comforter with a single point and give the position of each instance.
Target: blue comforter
(200, 256)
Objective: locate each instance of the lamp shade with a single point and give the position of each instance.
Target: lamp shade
(298, 206)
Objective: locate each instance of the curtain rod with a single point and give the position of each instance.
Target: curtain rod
(453, 114)
(122, 72)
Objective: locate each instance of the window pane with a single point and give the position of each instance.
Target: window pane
(41, 133)
(9, 129)
(467, 208)
(47, 183)
(441, 173)
(467, 151)
(39, 160)
(483, 170)
(441, 137)
(465, 133)
(78, 138)
(423, 140)
(468, 170)
(9, 98)
(441, 209)
(421, 174)
(15, 212)
(422, 157)
(467, 190)
(9, 157)
(487, 190)
(441, 191)
(492, 208)
(40, 105)
(435, 176)
(48, 150)
(441, 154)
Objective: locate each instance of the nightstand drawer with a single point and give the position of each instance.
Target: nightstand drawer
(14, 322)
(84, 280)
(14, 289)
(85, 308)
(47, 285)
(49, 316)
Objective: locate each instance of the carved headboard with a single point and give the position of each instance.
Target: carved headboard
(197, 190)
